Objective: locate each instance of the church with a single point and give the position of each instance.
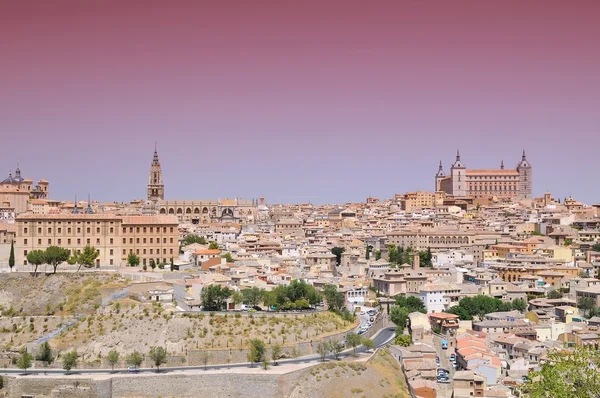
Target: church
(196, 211)
(509, 184)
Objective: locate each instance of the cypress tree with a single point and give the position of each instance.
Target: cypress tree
(11, 258)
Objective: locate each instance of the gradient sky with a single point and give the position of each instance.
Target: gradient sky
(321, 101)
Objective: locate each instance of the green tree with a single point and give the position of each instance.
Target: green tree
(403, 340)
(172, 265)
(338, 251)
(159, 356)
(213, 246)
(45, 354)
(554, 294)
(354, 340)
(253, 295)
(596, 247)
(87, 257)
(152, 264)
(377, 255)
(568, 242)
(133, 260)
(257, 351)
(70, 360)
(565, 374)
(322, 350)
(411, 303)
(399, 315)
(586, 304)
(368, 252)
(276, 351)
(56, 255)
(228, 258)
(113, 358)
(214, 297)
(25, 361)
(134, 359)
(392, 254)
(11, 256)
(237, 298)
(519, 305)
(36, 258)
(336, 348)
(335, 299)
(368, 344)
(191, 239)
(269, 299)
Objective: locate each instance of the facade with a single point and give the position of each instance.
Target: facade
(416, 200)
(115, 237)
(16, 191)
(501, 183)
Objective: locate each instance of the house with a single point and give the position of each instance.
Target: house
(444, 323)
(467, 384)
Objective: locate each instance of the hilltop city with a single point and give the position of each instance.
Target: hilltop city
(460, 291)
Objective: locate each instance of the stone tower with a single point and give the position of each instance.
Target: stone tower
(156, 188)
(525, 177)
(458, 174)
(439, 177)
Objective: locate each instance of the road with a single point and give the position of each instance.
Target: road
(445, 390)
(383, 337)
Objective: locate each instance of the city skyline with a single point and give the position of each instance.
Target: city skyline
(297, 103)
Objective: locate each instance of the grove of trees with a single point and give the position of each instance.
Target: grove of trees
(478, 306)
(399, 255)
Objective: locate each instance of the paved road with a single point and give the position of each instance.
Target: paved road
(445, 390)
(383, 337)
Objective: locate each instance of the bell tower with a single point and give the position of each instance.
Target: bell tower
(156, 188)
(458, 172)
(525, 175)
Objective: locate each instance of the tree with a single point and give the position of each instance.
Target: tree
(192, 238)
(87, 257)
(133, 260)
(25, 360)
(45, 354)
(368, 344)
(152, 264)
(586, 304)
(377, 254)
(276, 351)
(11, 257)
(237, 298)
(336, 348)
(519, 305)
(322, 350)
(354, 340)
(228, 258)
(214, 296)
(112, 358)
(411, 303)
(70, 360)
(213, 246)
(566, 374)
(335, 299)
(158, 356)
(253, 295)
(204, 358)
(257, 351)
(368, 252)
(36, 258)
(596, 247)
(399, 315)
(144, 267)
(172, 265)
(554, 294)
(56, 255)
(134, 359)
(468, 307)
(338, 251)
(270, 299)
(403, 340)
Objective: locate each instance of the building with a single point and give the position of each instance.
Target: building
(115, 237)
(16, 191)
(156, 187)
(501, 183)
(416, 200)
(467, 384)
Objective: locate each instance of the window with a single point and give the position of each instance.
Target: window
(151, 229)
(78, 230)
(137, 240)
(151, 250)
(60, 230)
(97, 241)
(88, 241)
(111, 230)
(124, 230)
(97, 230)
(137, 251)
(49, 230)
(137, 230)
(124, 252)
(49, 241)
(170, 230)
(152, 240)
(165, 240)
(68, 241)
(39, 231)
(78, 241)
(144, 240)
(144, 251)
(24, 230)
(68, 230)
(131, 241)
(124, 240)
(144, 229)
(25, 253)
(111, 241)
(171, 251)
(111, 261)
(24, 241)
(111, 252)
(171, 240)
(59, 241)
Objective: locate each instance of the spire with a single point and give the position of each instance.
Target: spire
(155, 152)
(524, 157)
(457, 155)
(502, 165)
(75, 208)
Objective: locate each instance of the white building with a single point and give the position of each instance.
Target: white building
(439, 297)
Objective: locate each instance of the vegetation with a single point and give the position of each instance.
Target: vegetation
(399, 255)
(133, 260)
(368, 344)
(377, 255)
(56, 255)
(411, 303)
(152, 264)
(228, 258)
(214, 297)
(113, 358)
(554, 294)
(336, 349)
(158, 356)
(586, 304)
(468, 307)
(25, 361)
(86, 258)
(566, 374)
(257, 351)
(519, 305)
(11, 257)
(403, 340)
(322, 350)
(134, 359)
(297, 292)
(213, 246)
(253, 295)
(276, 351)
(36, 258)
(354, 340)
(45, 354)
(192, 238)
(338, 251)
(399, 315)
(335, 299)
(596, 247)
(70, 360)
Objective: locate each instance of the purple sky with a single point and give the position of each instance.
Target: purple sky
(322, 101)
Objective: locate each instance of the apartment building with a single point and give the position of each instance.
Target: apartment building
(115, 237)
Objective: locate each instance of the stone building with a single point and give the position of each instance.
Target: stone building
(16, 191)
(501, 183)
(115, 237)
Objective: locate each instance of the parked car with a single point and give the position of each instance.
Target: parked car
(437, 360)
(452, 358)
(443, 380)
(372, 312)
(371, 319)
(256, 308)
(444, 344)
(362, 312)
(133, 369)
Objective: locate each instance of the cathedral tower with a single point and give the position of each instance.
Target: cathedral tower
(156, 188)
(525, 171)
(439, 177)
(458, 172)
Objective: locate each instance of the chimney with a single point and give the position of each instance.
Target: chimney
(416, 262)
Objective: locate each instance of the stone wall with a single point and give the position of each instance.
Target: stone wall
(67, 387)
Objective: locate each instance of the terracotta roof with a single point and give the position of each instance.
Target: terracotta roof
(208, 251)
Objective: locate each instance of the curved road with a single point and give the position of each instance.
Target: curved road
(382, 337)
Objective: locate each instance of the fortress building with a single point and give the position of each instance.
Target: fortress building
(501, 183)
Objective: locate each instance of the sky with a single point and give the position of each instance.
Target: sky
(297, 101)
